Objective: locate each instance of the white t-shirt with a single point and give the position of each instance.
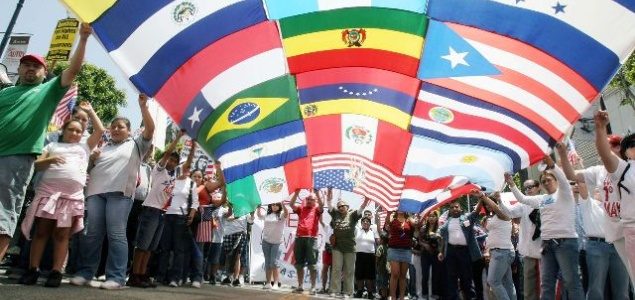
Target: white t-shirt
(117, 167)
(273, 228)
(557, 210)
(592, 218)
(499, 234)
(364, 240)
(161, 189)
(236, 225)
(597, 178)
(219, 230)
(526, 245)
(180, 193)
(76, 162)
(455, 233)
(627, 207)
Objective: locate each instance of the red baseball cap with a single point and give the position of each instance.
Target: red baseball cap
(34, 57)
(614, 140)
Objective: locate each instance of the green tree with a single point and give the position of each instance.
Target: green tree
(97, 87)
(624, 79)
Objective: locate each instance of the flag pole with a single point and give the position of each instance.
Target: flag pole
(7, 34)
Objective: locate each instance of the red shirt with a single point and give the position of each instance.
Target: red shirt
(400, 236)
(203, 195)
(308, 219)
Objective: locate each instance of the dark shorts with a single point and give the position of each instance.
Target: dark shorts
(364, 266)
(214, 253)
(305, 252)
(150, 228)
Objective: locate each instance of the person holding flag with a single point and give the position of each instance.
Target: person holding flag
(25, 112)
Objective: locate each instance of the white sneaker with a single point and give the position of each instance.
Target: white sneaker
(275, 287)
(111, 285)
(332, 295)
(312, 291)
(267, 286)
(79, 281)
(173, 284)
(196, 284)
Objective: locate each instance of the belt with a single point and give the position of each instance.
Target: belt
(596, 239)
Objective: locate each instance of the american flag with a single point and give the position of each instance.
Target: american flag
(204, 232)
(65, 107)
(357, 174)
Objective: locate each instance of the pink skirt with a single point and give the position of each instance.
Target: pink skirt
(61, 200)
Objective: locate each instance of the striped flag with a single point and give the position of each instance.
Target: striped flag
(379, 38)
(278, 9)
(423, 195)
(517, 54)
(204, 231)
(65, 107)
(357, 174)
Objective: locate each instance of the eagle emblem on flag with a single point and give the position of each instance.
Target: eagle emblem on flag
(354, 37)
(272, 185)
(359, 134)
(356, 172)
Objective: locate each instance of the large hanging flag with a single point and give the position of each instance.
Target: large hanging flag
(261, 150)
(380, 94)
(278, 9)
(357, 174)
(354, 37)
(381, 142)
(434, 159)
(262, 106)
(269, 186)
(518, 54)
(423, 195)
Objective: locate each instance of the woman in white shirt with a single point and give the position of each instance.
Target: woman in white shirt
(365, 239)
(559, 238)
(622, 173)
(501, 249)
(274, 222)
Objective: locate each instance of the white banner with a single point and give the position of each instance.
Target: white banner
(200, 159)
(15, 50)
(288, 275)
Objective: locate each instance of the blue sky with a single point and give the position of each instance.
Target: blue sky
(39, 17)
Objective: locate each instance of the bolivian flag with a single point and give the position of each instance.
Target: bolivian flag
(373, 37)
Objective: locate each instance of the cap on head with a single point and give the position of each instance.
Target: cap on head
(614, 140)
(34, 57)
(341, 203)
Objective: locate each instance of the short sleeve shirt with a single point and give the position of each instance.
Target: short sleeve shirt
(25, 112)
(308, 219)
(76, 162)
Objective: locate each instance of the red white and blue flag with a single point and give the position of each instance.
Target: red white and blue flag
(421, 195)
(65, 107)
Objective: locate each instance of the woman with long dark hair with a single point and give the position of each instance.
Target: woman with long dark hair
(429, 240)
(274, 222)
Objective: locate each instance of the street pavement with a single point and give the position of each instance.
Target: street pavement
(9, 289)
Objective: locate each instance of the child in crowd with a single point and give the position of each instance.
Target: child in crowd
(58, 206)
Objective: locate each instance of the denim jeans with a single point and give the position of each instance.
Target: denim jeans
(106, 214)
(560, 255)
(271, 253)
(499, 275)
(195, 259)
(177, 239)
(602, 260)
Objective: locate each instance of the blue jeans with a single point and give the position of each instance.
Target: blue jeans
(271, 253)
(499, 275)
(560, 255)
(177, 239)
(602, 260)
(106, 214)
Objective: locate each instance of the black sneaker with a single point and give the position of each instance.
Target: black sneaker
(30, 277)
(359, 294)
(371, 296)
(150, 283)
(226, 281)
(212, 280)
(137, 280)
(236, 282)
(54, 279)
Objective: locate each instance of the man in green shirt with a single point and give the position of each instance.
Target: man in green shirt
(25, 112)
(343, 221)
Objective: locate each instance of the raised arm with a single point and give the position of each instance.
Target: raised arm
(294, 198)
(513, 211)
(609, 159)
(320, 203)
(491, 204)
(190, 157)
(170, 149)
(363, 206)
(564, 161)
(75, 65)
(148, 123)
(98, 127)
(329, 198)
(285, 211)
(532, 201)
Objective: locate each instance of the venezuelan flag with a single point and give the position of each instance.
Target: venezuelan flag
(373, 37)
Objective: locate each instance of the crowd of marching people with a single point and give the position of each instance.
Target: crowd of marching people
(99, 207)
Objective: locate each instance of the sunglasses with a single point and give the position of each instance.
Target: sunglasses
(530, 187)
(545, 181)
